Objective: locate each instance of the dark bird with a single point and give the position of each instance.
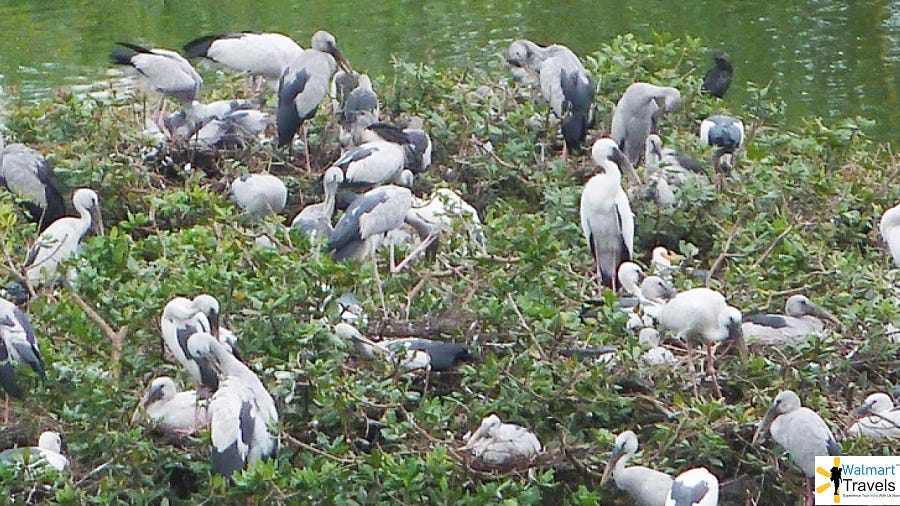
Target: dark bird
(17, 345)
(29, 176)
(718, 79)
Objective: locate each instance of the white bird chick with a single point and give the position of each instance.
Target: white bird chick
(497, 444)
(179, 412)
(259, 194)
(881, 420)
(655, 355)
(47, 452)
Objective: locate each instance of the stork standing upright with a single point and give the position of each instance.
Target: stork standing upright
(637, 115)
(28, 175)
(702, 314)
(606, 218)
(647, 487)
(62, 239)
(359, 110)
(258, 54)
(304, 84)
(800, 431)
(163, 71)
(17, 345)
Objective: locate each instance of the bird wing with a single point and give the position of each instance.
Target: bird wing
(626, 224)
(7, 371)
(356, 154)
(231, 428)
(390, 133)
(766, 320)
(23, 346)
(551, 84)
(287, 117)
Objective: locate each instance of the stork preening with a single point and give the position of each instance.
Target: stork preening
(880, 419)
(29, 176)
(606, 218)
(703, 315)
(800, 431)
(565, 83)
(171, 410)
(694, 487)
(163, 71)
(801, 319)
(303, 85)
(889, 226)
(496, 444)
(62, 239)
(373, 214)
(725, 133)
(47, 452)
(259, 194)
(257, 54)
(637, 115)
(18, 345)
(718, 79)
(647, 487)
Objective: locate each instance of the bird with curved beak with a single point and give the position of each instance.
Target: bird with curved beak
(647, 487)
(802, 318)
(496, 444)
(800, 431)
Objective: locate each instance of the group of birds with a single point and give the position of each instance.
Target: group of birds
(380, 161)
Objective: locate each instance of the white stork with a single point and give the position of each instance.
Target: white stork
(47, 452)
(647, 487)
(637, 115)
(497, 444)
(17, 345)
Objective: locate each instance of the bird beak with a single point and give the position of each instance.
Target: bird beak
(671, 292)
(736, 333)
(625, 166)
(213, 318)
(763, 429)
(478, 434)
(96, 221)
(864, 410)
(641, 276)
(826, 314)
(341, 61)
(154, 394)
(616, 455)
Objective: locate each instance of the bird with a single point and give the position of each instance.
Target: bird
(653, 295)
(800, 320)
(178, 323)
(800, 431)
(208, 350)
(889, 226)
(235, 130)
(694, 487)
(209, 307)
(407, 353)
(725, 133)
(647, 487)
(630, 276)
(314, 220)
(359, 110)
(661, 262)
(259, 194)
(47, 452)
(62, 239)
(446, 207)
(29, 176)
(879, 418)
(718, 79)
(238, 427)
(637, 115)
(303, 85)
(18, 344)
(565, 83)
(654, 355)
(652, 153)
(606, 218)
(169, 409)
(257, 54)
(372, 164)
(496, 444)
(373, 214)
(160, 70)
(704, 315)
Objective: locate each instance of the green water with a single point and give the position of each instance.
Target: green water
(825, 58)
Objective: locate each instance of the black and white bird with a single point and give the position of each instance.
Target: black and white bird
(18, 345)
(257, 54)
(889, 226)
(703, 315)
(800, 431)
(48, 452)
(303, 85)
(407, 353)
(647, 487)
(718, 79)
(496, 444)
(413, 138)
(637, 115)
(29, 176)
(725, 133)
(373, 214)
(565, 83)
(235, 130)
(314, 220)
(62, 239)
(879, 418)
(209, 307)
(606, 218)
(238, 427)
(359, 110)
(801, 319)
(171, 410)
(259, 194)
(694, 487)
(163, 71)
(178, 323)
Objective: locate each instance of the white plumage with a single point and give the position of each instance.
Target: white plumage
(647, 487)
(62, 238)
(259, 194)
(255, 53)
(890, 231)
(238, 427)
(880, 419)
(180, 320)
(801, 319)
(47, 452)
(496, 444)
(694, 487)
(173, 410)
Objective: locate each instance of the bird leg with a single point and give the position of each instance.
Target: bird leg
(306, 149)
(809, 492)
(692, 368)
(711, 369)
(380, 287)
(6, 411)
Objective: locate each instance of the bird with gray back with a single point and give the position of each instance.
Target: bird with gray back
(801, 319)
(694, 487)
(29, 176)
(725, 133)
(358, 111)
(637, 115)
(18, 345)
(238, 428)
(314, 220)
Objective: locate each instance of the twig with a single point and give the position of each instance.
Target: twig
(723, 253)
(524, 325)
(317, 451)
(772, 246)
(94, 471)
(115, 337)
